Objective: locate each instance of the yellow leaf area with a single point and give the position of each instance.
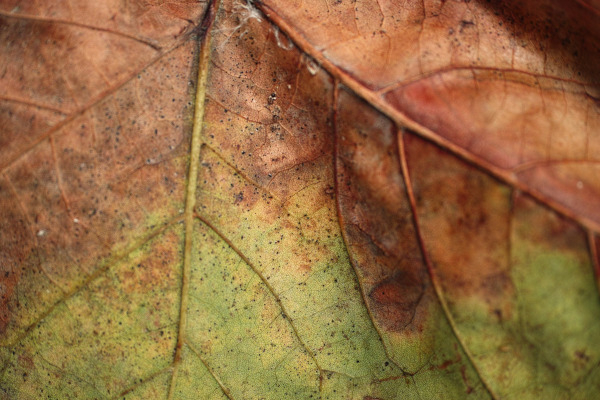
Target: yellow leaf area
(212, 263)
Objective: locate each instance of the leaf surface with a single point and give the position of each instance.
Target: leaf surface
(367, 200)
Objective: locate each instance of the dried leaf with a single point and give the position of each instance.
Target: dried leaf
(370, 200)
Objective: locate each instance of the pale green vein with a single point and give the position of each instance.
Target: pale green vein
(140, 383)
(190, 200)
(224, 389)
(63, 372)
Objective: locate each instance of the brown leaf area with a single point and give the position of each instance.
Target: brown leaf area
(86, 103)
(512, 86)
(458, 140)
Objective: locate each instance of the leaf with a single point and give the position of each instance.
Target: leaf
(369, 201)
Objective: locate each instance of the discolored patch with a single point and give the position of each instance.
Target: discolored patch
(464, 217)
(595, 247)
(376, 215)
(97, 183)
(17, 244)
(397, 297)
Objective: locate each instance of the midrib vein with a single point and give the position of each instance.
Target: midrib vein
(190, 199)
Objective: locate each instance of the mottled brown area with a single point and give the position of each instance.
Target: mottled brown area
(262, 86)
(57, 60)
(22, 126)
(61, 66)
(376, 217)
(397, 298)
(595, 249)
(396, 290)
(367, 39)
(36, 183)
(578, 18)
(493, 250)
(548, 229)
(157, 23)
(559, 162)
(155, 269)
(101, 182)
(447, 363)
(511, 86)
(17, 243)
(464, 217)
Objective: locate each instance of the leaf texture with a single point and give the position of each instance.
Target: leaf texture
(334, 200)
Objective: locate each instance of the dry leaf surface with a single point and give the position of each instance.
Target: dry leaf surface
(304, 199)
